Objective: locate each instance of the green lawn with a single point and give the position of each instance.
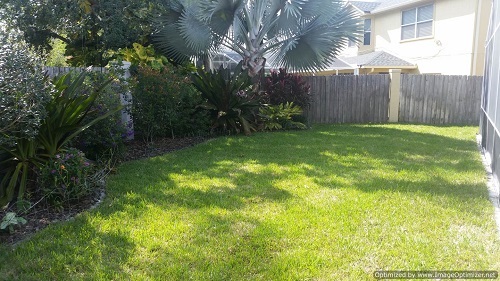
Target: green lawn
(333, 203)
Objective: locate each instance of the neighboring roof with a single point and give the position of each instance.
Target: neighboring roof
(387, 5)
(365, 7)
(379, 6)
(338, 64)
(376, 59)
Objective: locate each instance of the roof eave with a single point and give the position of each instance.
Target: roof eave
(362, 13)
(390, 66)
(398, 6)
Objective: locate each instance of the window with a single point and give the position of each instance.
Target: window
(417, 22)
(367, 32)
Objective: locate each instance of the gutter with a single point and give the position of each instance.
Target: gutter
(475, 42)
(390, 66)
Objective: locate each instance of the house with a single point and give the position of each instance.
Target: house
(418, 36)
(490, 107)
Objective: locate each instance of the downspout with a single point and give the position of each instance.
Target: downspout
(475, 42)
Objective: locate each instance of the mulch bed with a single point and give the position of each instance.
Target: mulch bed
(139, 149)
(41, 215)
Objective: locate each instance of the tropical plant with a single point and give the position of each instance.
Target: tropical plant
(277, 117)
(15, 165)
(66, 111)
(227, 98)
(301, 35)
(142, 56)
(63, 121)
(282, 87)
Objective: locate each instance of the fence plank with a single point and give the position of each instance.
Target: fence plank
(431, 99)
(440, 99)
(54, 71)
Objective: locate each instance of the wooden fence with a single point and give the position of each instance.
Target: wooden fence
(349, 99)
(427, 99)
(125, 98)
(439, 99)
(56, 71)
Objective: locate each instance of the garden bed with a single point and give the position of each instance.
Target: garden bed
(42, 215)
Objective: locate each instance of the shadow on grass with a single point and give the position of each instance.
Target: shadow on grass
(233, 173)
(370, 158)
(69, 251)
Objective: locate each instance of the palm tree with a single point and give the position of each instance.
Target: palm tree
(302, 35)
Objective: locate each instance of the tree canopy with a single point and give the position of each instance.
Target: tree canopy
(90, 28)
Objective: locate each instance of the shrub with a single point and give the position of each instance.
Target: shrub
(66, 177)
(24, 90)
(164, 104)
(24, 93)
(140, 55)
(282, 87)
(227, 98)
(277, 117)
(105, 141)
(65, 113)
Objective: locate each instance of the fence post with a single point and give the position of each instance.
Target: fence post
(394, 94)
(126, 100)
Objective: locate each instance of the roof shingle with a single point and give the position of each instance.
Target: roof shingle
(376, 59)
(378, 6)
(366, 7)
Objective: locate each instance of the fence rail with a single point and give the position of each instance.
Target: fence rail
(349, 99)
(427, 99)
(53, 71)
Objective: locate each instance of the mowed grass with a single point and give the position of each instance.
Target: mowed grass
(336, 202)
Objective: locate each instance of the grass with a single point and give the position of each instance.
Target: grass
(333, 203)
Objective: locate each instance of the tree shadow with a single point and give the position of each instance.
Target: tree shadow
(370, 158)
(78, 251)
(217, 180)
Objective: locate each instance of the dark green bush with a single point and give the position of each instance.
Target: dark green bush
(232, 106)
(106, 140)
(282, 87)
(164, 104)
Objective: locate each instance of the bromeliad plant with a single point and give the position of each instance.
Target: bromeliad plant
(65, 113)
(277, 117)
(226, 97)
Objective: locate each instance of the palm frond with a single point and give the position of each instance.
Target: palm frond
(196, 33)
(220, 14)
(297, 34)
(317, 42)
(167, 37)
